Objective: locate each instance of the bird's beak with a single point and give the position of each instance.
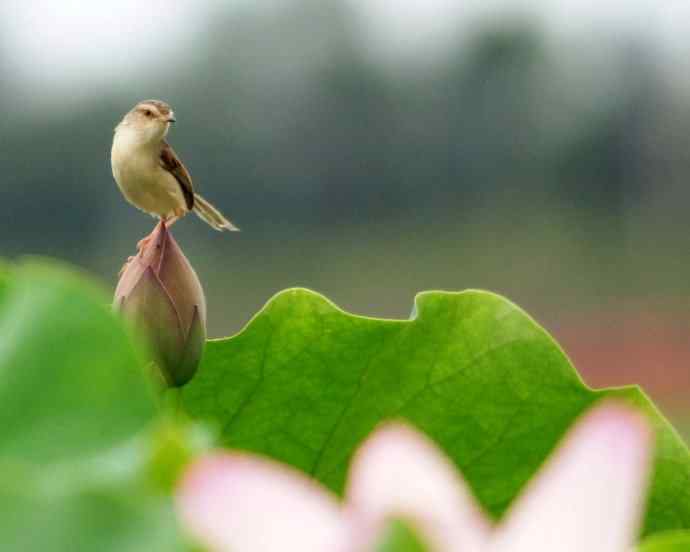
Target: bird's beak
(171, 118)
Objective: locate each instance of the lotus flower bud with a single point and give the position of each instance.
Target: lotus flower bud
(160, 292)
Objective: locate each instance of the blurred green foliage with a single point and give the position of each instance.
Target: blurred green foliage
(74, 401)
(673, 541)
(399, 537)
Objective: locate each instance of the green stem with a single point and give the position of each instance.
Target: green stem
(172, 403)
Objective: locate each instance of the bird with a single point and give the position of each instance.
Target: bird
(149, 173)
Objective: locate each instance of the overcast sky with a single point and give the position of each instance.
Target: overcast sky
(60, 43)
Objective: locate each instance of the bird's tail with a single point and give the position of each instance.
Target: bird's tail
(212, 216)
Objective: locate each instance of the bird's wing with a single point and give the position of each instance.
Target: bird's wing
(171, 163)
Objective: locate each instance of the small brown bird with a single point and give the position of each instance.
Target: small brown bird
(148, 171)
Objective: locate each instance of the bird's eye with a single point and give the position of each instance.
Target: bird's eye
(148, 113)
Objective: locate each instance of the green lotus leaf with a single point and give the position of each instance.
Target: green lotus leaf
(305, 383)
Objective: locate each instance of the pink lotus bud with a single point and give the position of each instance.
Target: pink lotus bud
(160, 292)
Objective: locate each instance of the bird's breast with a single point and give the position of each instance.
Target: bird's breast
(141, 179)
(131, 161)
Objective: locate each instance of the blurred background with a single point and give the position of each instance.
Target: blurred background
(371, 149)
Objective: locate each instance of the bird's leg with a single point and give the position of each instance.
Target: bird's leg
(178, 213)
(167, 221)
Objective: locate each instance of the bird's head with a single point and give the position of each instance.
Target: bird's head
(150, 119)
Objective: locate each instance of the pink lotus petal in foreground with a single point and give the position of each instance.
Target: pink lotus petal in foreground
(588, 497)
(399, 472)
(232, 502)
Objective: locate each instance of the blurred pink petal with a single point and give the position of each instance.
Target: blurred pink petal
(398, 472)
(241, 503)
(589, 495)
